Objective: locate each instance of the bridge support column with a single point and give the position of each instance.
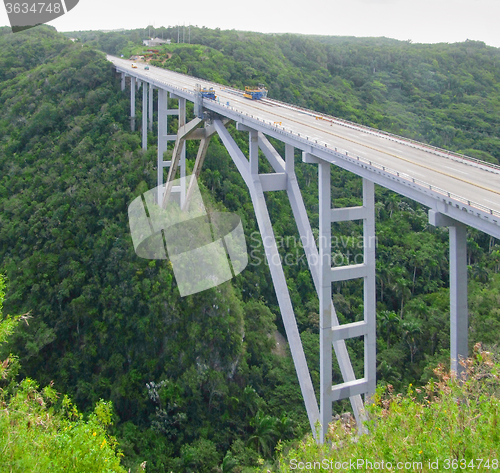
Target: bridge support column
(311, 252)
(253, 151)
(144, 116)
(204, 136)
(257, 184)
(319, 263)
(123, 81)
(151, 90)
(180, 145)
(323, 275)
(369, 288)
(162, 138)
(325, 296)
(182, 162)
(132, 102)
(459, 318)
(351, 387)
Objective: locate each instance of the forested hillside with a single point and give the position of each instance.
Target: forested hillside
(443, 94)
(198, 382)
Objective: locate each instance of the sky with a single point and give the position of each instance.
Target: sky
(421, 21)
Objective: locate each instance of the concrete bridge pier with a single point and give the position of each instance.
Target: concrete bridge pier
(144, 116)
(459, 317)
(132, 102)
(151, 90)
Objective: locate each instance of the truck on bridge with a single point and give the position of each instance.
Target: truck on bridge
(255, 93)
(208, 93)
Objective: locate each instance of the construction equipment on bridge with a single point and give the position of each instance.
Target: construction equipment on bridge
(208, 93)
(255, 93)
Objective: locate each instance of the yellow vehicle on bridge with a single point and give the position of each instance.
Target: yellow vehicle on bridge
(255, 93)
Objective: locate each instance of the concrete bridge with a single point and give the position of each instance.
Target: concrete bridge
(458, 190)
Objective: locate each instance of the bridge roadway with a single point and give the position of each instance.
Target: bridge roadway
(469, 181)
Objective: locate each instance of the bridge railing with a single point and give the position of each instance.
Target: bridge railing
(385, 134)
(326, 147)
(332, 150)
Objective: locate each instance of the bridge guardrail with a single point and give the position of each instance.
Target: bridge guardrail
(438, 151)
(326, 147)
(406, 141)
(344, 152)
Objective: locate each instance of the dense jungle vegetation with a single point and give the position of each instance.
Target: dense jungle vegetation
(198, 384)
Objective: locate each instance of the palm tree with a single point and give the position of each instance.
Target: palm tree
(389, 320)
(392, 202)
(228, 464)
(284, 427)
(480, 273)
(250, 399)
(411, 332)
(388, 372)
(264, 434)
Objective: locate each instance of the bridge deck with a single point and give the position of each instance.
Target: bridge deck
(479, 183)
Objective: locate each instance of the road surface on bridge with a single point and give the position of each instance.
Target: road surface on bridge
(479, 183)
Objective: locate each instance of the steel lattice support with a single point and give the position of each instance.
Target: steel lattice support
(331, 334)
(330, 330)
(180, 145)
(319, 260)
(311, 252)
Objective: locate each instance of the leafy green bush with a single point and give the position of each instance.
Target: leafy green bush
(453, 422)
(36, 438)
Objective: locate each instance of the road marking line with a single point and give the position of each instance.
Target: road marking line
(456, 170)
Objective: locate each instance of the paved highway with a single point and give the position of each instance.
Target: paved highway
(478, 183)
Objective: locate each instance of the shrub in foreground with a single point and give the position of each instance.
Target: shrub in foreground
(448, 425)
